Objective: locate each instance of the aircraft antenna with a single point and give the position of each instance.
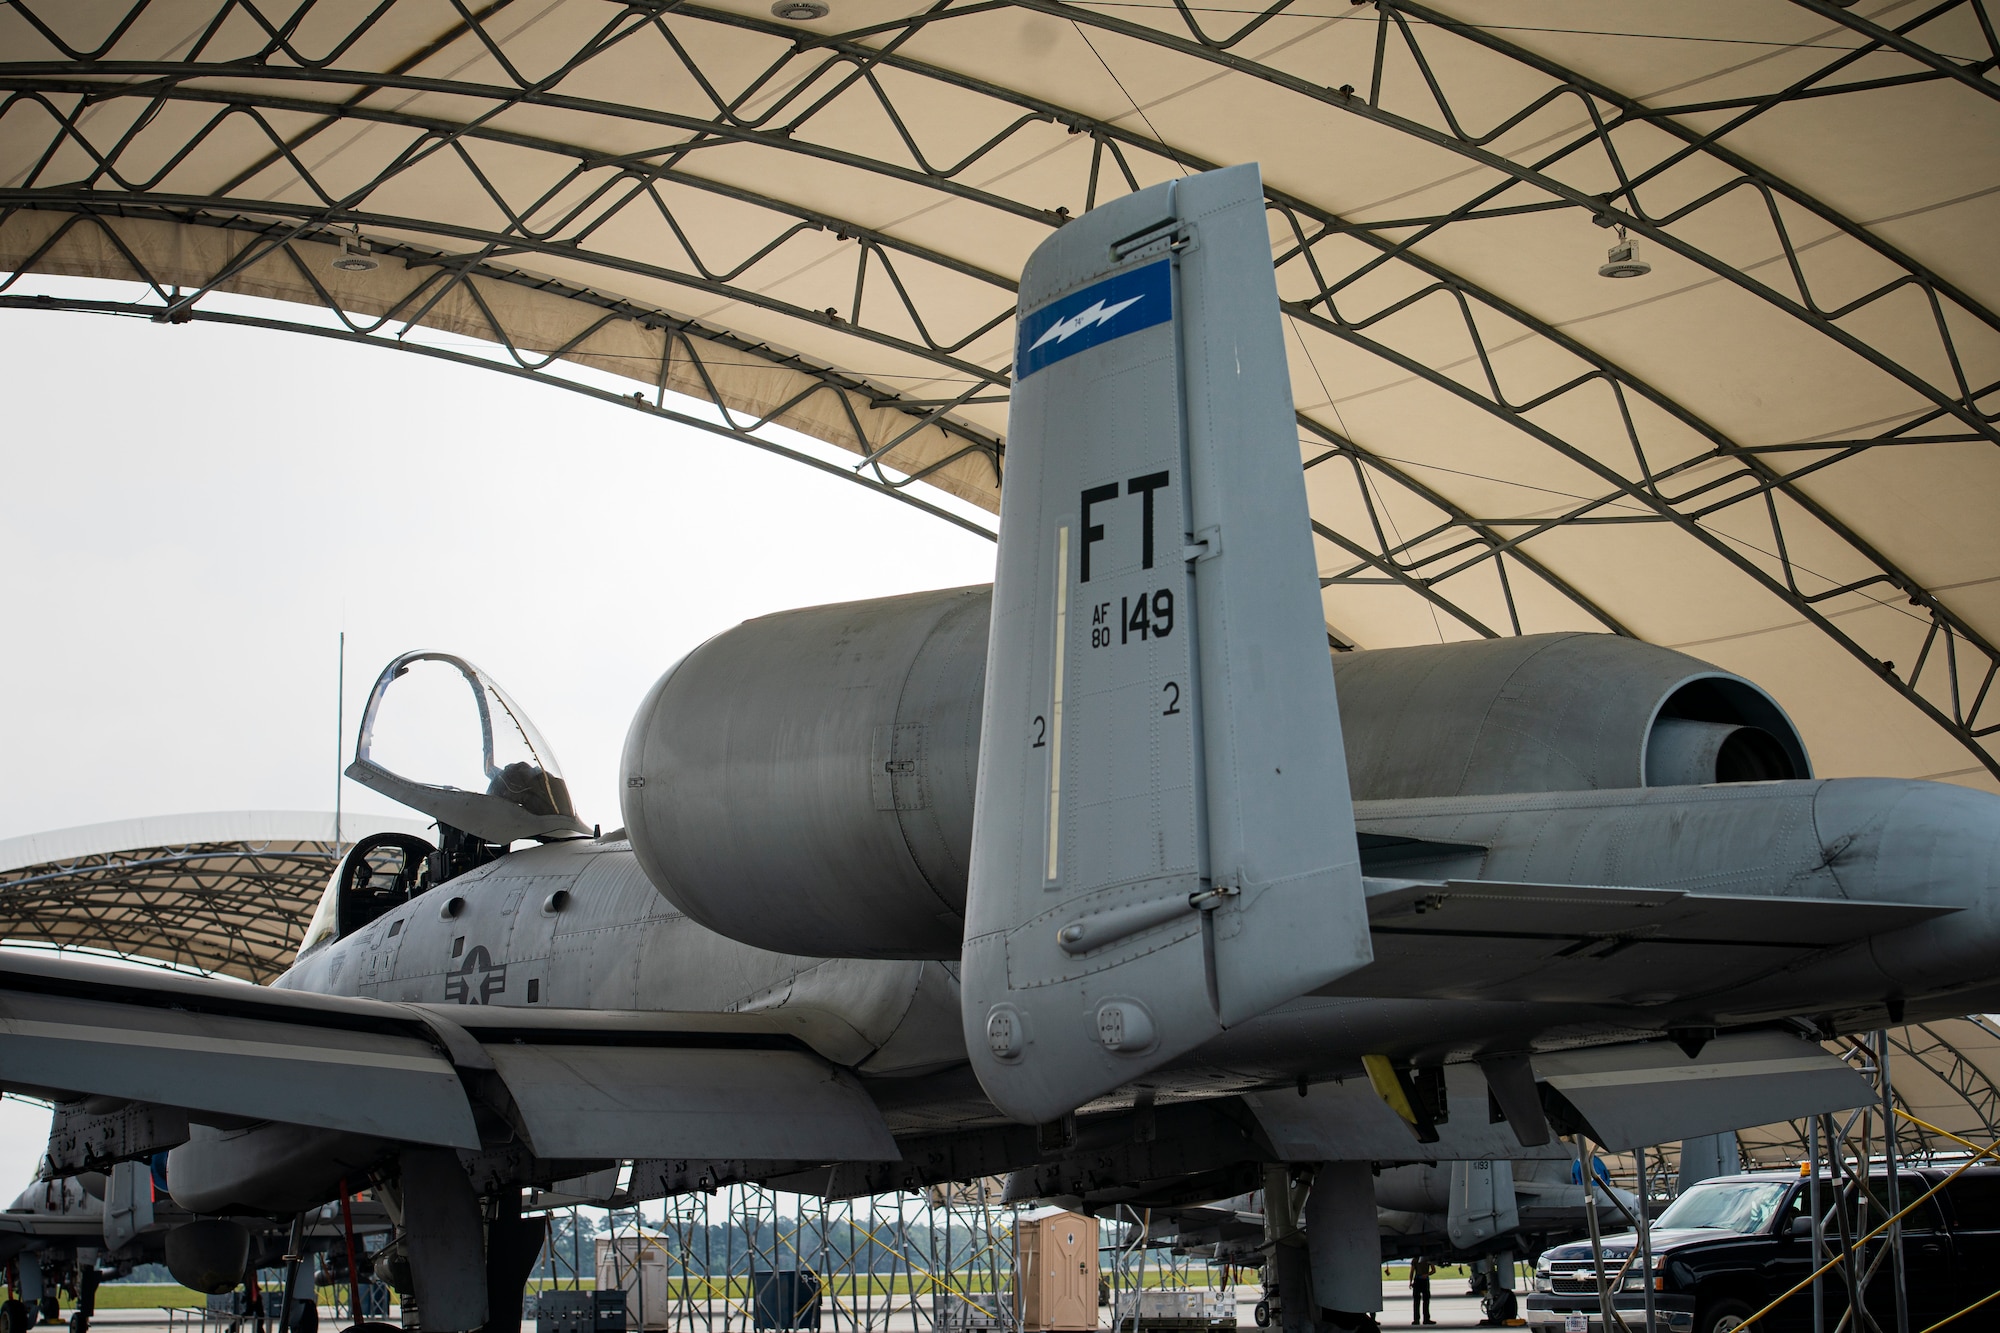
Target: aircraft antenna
(339, 730)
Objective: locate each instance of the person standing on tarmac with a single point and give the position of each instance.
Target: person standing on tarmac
(1420, 1291)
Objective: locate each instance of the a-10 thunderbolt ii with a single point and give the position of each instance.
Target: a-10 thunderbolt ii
(69, 1234)
(1065, 875)
(1481, 1213)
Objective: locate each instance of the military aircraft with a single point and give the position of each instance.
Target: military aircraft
(1483, 1214)
(1089, 873)
(71, 1233)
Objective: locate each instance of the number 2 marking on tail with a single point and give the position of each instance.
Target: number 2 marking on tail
(1173, 703)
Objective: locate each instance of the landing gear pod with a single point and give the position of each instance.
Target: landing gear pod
(209, 1255)
(1163, 842)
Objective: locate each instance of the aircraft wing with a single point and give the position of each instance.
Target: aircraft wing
(51, 1226)
(1481, 940)
(575, 1084)
(587, 1084)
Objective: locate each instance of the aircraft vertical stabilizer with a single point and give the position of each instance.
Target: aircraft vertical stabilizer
(1163, 843)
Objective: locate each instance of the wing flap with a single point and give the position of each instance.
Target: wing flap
(579, 1101)
(1627, 1095)
(586, 1084)
(1652, 1092)
(1475, 939)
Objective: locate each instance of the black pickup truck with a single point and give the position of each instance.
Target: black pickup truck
(1729, 1246)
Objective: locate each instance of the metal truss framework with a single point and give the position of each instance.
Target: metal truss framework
(1749, 505)
(1939, 1051)
(689, 348)
(231, 908)
(1936, 1052)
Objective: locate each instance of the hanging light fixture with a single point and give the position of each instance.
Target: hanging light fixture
(800, 11)
(1622, 260)
(355, 256)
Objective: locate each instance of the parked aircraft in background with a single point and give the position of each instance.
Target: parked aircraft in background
(1087, 875)
(1484, 1214)
(71, 1234)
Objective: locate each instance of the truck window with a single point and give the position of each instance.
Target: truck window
(1742, 1206)
(1924, 1217)
(1975, 1201)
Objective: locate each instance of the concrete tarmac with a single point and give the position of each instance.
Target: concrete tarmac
(1450, 1307)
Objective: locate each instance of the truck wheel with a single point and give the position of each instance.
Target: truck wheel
(1723, 1315)
(1262, 1314)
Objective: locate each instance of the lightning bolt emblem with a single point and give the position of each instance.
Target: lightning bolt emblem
(1091, 316)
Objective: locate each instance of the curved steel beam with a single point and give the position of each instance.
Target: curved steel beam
(849, 49)
(1050, 111)
(1895, 40)
(85, 198)
(1962, 721)
(1956, 1070)
(1471, 147)
(438, 272)
(743, 434)
(934, 179)
(1769, 480)
(1496, 545)
(1648, 495)
(170, 75)
(497, 242)
(515, 238)
(493, 243)
(1709, 144)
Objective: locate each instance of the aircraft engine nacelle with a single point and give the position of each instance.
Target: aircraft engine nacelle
(1553, 712)
(804, 782)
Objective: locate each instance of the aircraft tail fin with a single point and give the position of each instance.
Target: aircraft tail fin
(1163, 842)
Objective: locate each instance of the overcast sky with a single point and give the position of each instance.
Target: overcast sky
(192, 514)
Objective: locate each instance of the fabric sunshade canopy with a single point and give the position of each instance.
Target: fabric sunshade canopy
(228, 893)
(1771, 444)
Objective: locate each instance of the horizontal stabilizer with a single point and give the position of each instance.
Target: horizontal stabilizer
(1479, 940)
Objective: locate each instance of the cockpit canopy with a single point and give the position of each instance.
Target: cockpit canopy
(376, 875)
(447, 740)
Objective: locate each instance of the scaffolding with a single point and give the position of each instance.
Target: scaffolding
(744, 1257)
(1149, 1284)
(1857, 1166)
